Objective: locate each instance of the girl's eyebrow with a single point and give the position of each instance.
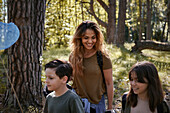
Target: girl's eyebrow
(133, 77)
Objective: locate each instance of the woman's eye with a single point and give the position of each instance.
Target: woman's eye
(93, 37)
(85, 37)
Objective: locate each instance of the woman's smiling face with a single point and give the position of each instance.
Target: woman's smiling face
(89, 39)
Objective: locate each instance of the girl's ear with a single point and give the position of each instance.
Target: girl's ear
(65, 78)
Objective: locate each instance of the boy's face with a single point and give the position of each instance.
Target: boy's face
(52, 80)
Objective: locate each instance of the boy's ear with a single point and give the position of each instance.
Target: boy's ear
(65, 78)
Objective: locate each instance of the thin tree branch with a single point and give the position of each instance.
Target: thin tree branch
(102, 23)
(106, 8)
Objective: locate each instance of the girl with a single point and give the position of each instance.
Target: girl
(146, 94)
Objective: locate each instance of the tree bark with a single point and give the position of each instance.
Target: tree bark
(121, 23)
(111, 27)
(148, 29)
(163, 39)
(24, 56)
(140, 20)
(168, 16)
(82, 12)
(148, 44)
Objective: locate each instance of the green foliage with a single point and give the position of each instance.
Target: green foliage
(3, 10)
(57, 24)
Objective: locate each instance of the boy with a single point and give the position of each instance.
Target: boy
(62, 99)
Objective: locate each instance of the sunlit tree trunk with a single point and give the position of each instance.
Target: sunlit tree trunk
(121, 22)
(82, 12)
(24, 56)
(163, 31)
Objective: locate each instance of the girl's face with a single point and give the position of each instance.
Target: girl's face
(138, 88)
(89, 39)
(52, 80)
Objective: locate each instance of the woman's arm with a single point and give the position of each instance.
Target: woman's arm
(109, 84)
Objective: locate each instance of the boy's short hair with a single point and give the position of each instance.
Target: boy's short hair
(62, 68)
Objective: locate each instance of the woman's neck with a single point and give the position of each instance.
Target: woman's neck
(89, 53)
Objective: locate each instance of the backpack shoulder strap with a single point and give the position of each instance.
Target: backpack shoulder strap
(100, 63)
(124, 101)
(163, 107)
(100, 59)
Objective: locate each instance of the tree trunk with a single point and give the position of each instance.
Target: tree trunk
(140, 20)
(163, 39)
(82, 12)
(121, 23)
(24, 56)
(168, 16)
(148, 29)
(111, 24)
(148, 44)
(111, 27)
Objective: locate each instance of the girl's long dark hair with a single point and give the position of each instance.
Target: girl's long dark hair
(155, 94)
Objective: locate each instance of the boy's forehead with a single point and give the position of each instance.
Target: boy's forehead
(50, 71)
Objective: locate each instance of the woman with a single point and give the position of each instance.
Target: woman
(88, 82)
(146, 94)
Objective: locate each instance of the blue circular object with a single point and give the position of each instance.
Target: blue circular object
(9, 34)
